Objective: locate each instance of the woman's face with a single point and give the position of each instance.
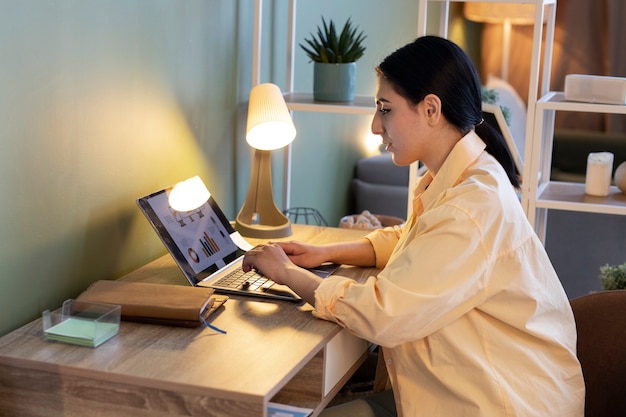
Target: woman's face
(401, 125)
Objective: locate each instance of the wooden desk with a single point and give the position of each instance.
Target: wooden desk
(274, 351)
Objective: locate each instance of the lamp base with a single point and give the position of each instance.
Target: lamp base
(259, 217)
(262, 231)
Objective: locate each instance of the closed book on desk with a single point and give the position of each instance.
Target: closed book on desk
(173, 305)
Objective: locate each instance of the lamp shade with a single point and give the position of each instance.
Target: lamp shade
(485, 12)
(269, 122)
(188, 195)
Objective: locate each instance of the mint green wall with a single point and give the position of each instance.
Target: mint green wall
(105, 101)
(102, 102)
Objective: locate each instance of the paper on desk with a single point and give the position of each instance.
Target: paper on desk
(82, 332)
(283, 410)
(242, 243)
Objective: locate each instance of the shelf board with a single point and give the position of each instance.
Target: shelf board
(555, 100)
(305, 102)
(571, 196)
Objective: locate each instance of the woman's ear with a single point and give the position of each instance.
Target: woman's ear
(432, 108)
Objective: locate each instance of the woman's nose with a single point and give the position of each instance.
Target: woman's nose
(377, 126)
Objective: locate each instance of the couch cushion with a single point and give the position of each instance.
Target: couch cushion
(380, 169)
(391, 200)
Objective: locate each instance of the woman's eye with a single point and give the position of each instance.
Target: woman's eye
(383, 110)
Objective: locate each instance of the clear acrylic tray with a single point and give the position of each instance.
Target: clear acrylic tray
(82, 323)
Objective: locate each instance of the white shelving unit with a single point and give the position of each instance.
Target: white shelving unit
(544, 194)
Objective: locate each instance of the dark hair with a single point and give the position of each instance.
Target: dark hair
(434, 65)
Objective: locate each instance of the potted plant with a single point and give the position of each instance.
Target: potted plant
(334, 56)
(490, 96)
(613, 277)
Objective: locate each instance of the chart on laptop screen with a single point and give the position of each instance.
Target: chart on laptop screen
(199, 235)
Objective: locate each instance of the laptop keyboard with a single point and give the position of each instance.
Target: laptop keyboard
(240, 280)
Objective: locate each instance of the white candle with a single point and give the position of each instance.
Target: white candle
(599, 170)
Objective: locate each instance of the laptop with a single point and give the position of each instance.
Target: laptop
(209, 251)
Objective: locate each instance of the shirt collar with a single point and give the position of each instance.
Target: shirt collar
(463, 154)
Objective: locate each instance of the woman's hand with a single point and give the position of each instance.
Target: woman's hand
(272, 261)
(304, 255)
(268, 259)
(358, 252)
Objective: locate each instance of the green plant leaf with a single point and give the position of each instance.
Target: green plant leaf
(613, 277)
(490, 96)
(329, 47)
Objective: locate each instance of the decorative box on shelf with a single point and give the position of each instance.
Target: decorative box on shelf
(595, 89)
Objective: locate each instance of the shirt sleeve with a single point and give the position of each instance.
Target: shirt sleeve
(435, 275)
(384, 241)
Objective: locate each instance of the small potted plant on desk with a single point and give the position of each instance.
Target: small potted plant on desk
(334, 56)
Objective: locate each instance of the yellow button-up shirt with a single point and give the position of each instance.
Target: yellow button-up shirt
(471, 316)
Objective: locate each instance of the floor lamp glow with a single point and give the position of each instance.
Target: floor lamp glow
(504, 14)
(269, 127)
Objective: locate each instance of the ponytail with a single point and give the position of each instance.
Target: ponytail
(498, 148)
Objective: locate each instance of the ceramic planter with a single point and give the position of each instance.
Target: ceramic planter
(334, 82)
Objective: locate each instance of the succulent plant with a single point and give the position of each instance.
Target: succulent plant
(613, 277)
(329, 47)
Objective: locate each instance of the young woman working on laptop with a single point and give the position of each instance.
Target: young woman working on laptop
(470, 314)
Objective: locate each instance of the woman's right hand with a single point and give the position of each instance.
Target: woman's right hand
(304, 255)
(358, 252)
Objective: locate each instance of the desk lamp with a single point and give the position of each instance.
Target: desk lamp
(501, 13)
(269, 127)
(188, 195)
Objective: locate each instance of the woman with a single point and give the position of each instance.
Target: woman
(471, 316)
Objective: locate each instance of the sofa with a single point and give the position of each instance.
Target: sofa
(381, 187)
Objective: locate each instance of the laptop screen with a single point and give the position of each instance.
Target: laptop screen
(199, 240)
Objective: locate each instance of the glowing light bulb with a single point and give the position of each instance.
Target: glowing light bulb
(188, 195)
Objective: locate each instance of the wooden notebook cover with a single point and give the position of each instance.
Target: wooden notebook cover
(155, 303)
